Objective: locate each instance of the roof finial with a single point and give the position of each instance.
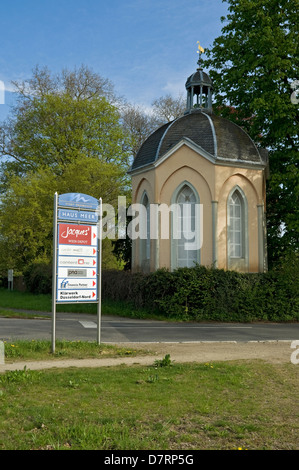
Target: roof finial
(200, 51)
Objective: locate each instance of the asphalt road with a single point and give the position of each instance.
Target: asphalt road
(74, 327)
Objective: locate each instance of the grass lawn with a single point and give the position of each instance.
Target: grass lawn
(247, 405)
(225, 406)
(40, 350)
(43, 303)
(25, 300)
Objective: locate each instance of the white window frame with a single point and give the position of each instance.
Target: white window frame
(145, 243)
(175, 242)
(237, 230)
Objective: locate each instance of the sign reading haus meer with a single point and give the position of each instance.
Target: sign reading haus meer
(77, 252)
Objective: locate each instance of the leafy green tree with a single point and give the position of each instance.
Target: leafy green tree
(56, 130)
(26, 216)
(26, 219)
(64, 135)
(253, 65)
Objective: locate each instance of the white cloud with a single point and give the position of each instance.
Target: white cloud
(175, 88)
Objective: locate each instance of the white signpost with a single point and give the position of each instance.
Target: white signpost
(77, 254)
(10, 279)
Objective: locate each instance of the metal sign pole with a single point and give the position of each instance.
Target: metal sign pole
(100, 230)
(54, 273)
(85, 235)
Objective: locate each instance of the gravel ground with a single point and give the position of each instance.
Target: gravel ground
(268, 351)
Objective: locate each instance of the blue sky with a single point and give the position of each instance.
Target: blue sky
(147, 48)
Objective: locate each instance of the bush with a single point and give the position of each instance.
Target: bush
(197, 294)
(38, 278)
(203, 294)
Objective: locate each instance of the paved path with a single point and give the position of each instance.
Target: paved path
(268, 351)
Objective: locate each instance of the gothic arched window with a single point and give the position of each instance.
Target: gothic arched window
(185, 228)
(145, 238)
(237, 217)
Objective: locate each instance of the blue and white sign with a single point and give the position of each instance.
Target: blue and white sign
(74, 265)
(78, 200)
(77, 253)
(77, 215)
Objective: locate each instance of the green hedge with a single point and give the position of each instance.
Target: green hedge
(197, 294)
(202, 294)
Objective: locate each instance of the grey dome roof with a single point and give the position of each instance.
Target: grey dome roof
(220, 138)
(198, 78)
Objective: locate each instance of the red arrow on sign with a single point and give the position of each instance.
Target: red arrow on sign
(93, 294)
(93, 283)
(94, 251)
(94, 262)
(93, 273)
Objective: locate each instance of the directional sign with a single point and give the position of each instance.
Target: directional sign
(78, 200)
(88, 273)
(77, 239)
(89, 262)
(77, 215)
(70, 234)
(76, 295)
(68, 283)
(75, 250)
(77, 259)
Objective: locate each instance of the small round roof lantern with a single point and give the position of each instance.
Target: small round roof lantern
(199, 88)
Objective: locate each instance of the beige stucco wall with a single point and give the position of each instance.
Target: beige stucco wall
(213, 184)
(141, 183)
(250, 183)
(186, 165)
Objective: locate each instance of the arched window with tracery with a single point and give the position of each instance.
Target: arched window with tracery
(237, 228)
(185, 230)
(145, 232)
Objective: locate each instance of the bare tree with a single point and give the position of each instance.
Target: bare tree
(138, 125)
(83, 83)
(80, 83)
(166, 108)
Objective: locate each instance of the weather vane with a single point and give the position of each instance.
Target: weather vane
(200, 51)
